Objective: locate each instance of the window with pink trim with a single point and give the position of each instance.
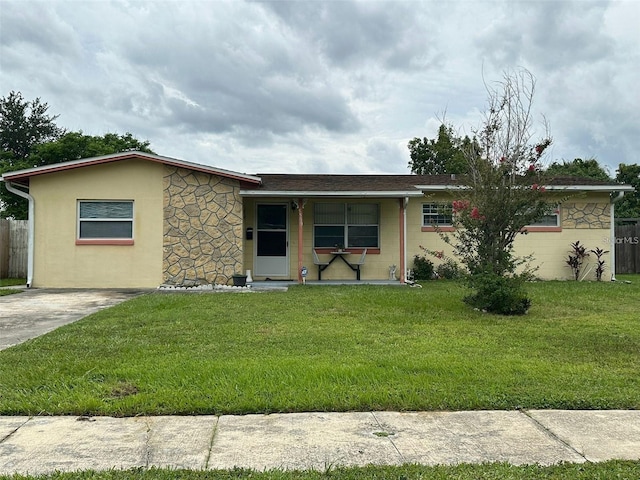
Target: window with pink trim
(551, 219)
(437, 215)
(105, 220)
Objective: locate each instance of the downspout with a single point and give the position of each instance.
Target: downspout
(31, 224)
(300, 238)
(403, 239)
(612, 246)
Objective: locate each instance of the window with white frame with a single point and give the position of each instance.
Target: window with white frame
(436, 214)
(551, 219)
(105, 219)
(350, 225)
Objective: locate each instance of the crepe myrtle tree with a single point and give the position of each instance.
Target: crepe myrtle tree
(502, 193)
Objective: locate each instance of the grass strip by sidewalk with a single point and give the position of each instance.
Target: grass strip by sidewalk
(334, 348)
(587, 471)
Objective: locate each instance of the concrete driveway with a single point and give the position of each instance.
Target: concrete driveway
(35, 312)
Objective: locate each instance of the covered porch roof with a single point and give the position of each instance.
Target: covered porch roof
(362, 186)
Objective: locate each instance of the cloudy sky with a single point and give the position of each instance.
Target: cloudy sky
(324, 86)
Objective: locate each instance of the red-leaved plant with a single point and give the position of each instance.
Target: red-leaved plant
(577, 256)
(599, 253)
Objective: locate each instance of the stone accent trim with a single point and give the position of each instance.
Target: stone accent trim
(581, 215)
(202, 225)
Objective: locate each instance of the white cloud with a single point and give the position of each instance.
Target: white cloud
(332, 87)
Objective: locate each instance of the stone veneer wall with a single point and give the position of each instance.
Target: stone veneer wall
(586, 215)
(202, 228)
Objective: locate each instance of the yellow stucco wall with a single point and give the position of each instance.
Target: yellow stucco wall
(550, 249)
(59, 262)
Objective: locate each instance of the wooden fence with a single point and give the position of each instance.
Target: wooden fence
(627, 248)
(13, 248)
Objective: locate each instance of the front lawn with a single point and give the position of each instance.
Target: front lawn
(334, 348)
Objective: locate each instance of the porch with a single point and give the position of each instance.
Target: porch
(343, 240)
(283, 284)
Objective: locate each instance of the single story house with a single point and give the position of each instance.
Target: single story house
(137, 220)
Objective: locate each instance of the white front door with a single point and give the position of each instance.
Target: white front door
(272, 240)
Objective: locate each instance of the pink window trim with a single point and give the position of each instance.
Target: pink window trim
(104, 241)
(438, 229)
(542, 229)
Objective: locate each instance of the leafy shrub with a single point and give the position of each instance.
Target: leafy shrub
(577, 256)
(498, 294)
(449, 270)
(599, 253)
(422, 268)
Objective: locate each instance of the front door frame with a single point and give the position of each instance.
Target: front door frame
(275, 266)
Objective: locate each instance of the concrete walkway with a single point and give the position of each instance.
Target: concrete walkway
(34, 312)
(39, 445)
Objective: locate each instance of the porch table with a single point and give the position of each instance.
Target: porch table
(342, 255)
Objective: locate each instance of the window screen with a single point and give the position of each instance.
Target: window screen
(105, 219)
(353, 225)
(436, 214)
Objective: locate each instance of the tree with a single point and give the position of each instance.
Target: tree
(446, 154)
(23, 125)
(76, 145)
(589, 168)
(70, 146)
(502, 193)
(629, 206)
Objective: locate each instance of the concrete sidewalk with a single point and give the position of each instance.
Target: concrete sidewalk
(316, 440)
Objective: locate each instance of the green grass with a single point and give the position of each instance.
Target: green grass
(589, 471)
(334, 348)
(8, 282)
(7, 291)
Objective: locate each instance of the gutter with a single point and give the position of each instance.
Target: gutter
(593, 188)
(579, 188)
(31, 223)
(335, 194)
(612, 246)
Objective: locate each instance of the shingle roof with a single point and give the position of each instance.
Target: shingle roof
(268, 183)
(568, 180)
(389, 183)
(344, 183)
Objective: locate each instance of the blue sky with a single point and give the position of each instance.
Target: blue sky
(324, 87)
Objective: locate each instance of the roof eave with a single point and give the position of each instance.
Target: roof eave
(592, 188)
(439, 188)
(25, 174)
(334, 194)
(580, 188)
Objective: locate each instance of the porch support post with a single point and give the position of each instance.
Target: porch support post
(402, 217)
(300, 237)
(612, 246)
